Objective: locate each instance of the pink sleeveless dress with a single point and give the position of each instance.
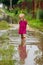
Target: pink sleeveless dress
(22, 27)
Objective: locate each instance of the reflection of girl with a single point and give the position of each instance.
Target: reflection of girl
(22, 52)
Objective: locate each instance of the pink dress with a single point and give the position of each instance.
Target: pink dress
(22, 27)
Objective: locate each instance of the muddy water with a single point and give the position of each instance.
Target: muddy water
(34, 47)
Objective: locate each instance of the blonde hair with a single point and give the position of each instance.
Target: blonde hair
(21, 15)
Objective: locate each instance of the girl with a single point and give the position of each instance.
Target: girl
(22, 27)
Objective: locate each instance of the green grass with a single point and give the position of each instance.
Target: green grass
(36, 24)
(4, 25)
(0, 11)
(7, 62)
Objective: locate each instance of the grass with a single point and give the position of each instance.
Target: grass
(7, 62)
(0, 11)
(4, 25)
(36, 24)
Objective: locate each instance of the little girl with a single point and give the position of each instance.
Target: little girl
(22, 27)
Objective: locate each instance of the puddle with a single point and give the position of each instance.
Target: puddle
(34, 48)
(33, 52)
(33, 55)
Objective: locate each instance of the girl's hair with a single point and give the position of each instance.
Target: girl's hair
(21, 15)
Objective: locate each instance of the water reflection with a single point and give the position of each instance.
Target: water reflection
(22, 53)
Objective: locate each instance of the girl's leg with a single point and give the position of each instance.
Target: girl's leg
(23, 37)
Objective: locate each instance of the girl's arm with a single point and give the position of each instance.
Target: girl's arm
(27, 27)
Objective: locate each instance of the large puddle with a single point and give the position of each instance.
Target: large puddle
(9, 43)
(34, 56)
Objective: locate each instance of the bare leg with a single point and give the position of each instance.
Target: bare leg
(23, 39)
